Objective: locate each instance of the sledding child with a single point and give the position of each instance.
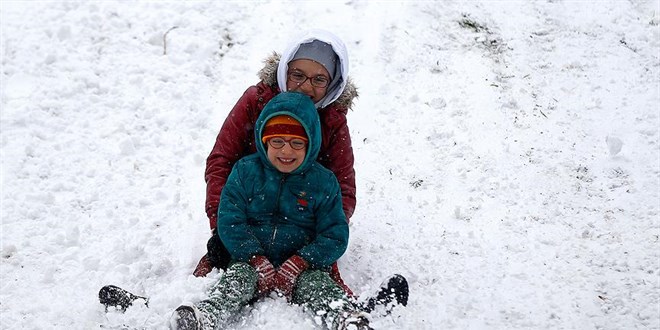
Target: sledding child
(315, 64)
(281, 219)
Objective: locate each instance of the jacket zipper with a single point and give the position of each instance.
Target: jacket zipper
(276, 210)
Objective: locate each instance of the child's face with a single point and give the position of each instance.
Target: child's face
(285, 159)
(310, 69)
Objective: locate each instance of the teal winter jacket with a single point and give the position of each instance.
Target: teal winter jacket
(265, 212)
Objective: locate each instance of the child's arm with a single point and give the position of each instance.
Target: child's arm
(330, 242)
(331, 231)
(232, 219)
(232, 143)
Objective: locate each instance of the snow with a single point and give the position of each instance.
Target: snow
(508, 159)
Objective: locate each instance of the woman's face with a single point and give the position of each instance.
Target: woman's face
(311, 70)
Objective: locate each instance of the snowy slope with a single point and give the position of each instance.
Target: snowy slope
(486, 137)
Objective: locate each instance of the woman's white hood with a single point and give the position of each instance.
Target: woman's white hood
(337, 45)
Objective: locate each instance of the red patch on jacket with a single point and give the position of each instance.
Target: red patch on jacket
(302, 202)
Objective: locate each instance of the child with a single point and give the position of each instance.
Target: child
(315, 64)
(281, 219)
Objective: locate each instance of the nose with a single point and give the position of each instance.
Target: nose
(306, 87)
(287, 148)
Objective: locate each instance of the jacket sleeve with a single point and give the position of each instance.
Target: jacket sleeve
(331, 231)
(234, 141)
(337, 155)
(232, 226)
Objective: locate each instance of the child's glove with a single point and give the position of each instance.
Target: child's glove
(266, 272)
(288, 273)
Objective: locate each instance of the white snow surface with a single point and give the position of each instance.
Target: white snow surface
(507, 157)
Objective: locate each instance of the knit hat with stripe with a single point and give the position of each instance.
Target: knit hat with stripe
(284, 126)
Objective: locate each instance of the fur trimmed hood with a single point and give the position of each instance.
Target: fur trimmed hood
(268, 74)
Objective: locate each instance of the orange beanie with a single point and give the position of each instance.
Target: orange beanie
(285, 126)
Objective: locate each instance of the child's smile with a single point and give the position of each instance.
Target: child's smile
(286, 159)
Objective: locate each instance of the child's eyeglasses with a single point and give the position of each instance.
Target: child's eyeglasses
(295, 144)
(316, 81)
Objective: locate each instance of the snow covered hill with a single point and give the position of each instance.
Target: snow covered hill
(508, 157)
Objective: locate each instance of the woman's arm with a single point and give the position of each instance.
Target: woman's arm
(337, 155)
(235, 140)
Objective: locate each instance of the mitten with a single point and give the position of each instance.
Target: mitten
(204, 266)
(266, 272)
(288, 273)
(216, 256)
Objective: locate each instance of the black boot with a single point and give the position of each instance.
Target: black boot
(393, 291)
(354, 321)
(115, 296)
(217, 252)
(185, 318)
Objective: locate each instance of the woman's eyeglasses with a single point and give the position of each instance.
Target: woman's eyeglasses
(295, 144)
(299, 78)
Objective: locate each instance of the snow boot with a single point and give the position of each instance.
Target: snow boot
(115, 296)
(185, 318)
(393, 291)
(355, 321)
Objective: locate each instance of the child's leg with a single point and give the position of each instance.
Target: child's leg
(234, 290)
(320, 293)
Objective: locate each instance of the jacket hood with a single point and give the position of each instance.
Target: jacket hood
(268, 74)
(343, 91)
(300, 107)
(338, 83)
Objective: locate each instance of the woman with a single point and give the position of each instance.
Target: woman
(315, 64)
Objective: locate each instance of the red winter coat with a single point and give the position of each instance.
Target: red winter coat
(236, 139)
